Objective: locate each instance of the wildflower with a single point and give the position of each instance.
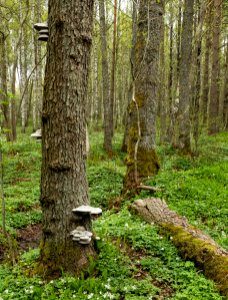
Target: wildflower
(90, 296)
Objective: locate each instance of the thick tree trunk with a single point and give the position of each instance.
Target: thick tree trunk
(192, 243)
(108, 111)
(185, 66)
(141, 158)
(63, 179)
(213, 112)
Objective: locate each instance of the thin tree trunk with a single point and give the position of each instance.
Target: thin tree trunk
(113, 69)
(213, 112)
(185, 66)
(225, 94)
(132, 60)
(108, 108)
(3, 88)
(206, 65)
(170, 129)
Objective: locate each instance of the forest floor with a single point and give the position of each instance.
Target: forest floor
(135, 261)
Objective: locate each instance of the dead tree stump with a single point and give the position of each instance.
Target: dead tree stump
(192, 243)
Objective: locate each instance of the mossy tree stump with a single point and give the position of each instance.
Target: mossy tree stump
(192, 243)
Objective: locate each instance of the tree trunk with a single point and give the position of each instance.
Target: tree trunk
(225, 94)
(141, 158)
(113, 70)
(108, 112)
(213, 113)
(23, 71)
(205, 82)
(162, 88)
(63, 178)
(196, 76)
(192, 243)
(132, 59)
(3, 88)
(185, 66)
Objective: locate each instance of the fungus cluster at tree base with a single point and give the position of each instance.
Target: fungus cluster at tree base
(80, 234)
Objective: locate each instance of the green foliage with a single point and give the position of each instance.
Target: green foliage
(195, 187)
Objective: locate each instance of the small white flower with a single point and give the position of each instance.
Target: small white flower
(107, 286)
(90, 296)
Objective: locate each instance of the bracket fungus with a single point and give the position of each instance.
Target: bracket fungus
(81, 236)
(87, 210)
(42, 28)
(37, 135)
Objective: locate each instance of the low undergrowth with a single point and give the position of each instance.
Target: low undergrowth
(135, 261)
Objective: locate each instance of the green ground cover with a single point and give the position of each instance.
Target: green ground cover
(135, 262)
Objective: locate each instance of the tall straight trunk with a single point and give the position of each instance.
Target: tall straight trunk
(23, 72)
(113, 69)
(132, 60)
(3, 87)
(196, 86)
(13, 102)
(38, 76)
(63, 175)
(142, 160)
(108, 108)
(185, 66)
(162, 88)
(213, 112)
(206, 65)
(170, 129)
(179, 41)
(225, 94)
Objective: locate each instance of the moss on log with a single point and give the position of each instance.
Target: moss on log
(192, 243)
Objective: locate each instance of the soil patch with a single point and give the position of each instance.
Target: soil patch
(29, 237)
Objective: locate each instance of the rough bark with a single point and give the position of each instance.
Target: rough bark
(213, 111)
(162, 88)
(108, 108)
(225, 94)
(191, 242)
(170, 129)
(132, 59)
(63, 178)
(141, 158)
(185, 66)
(196, 74)
(205, 80)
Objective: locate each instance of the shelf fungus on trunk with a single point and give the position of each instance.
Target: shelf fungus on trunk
(42, 28)
(84, 210)
(81, 235)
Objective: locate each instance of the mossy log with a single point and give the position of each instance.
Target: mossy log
(192, 243)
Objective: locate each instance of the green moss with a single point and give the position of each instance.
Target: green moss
(203, 253)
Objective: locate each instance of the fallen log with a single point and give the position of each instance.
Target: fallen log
(192, 243)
